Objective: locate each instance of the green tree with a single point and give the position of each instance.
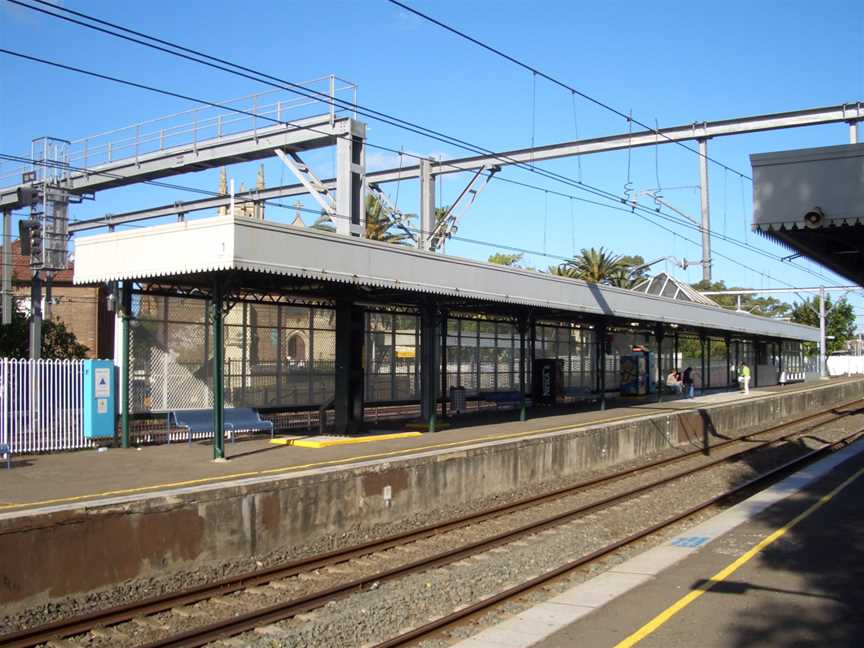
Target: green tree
(839, 319)
(58, 342)
(592, 265)
(504, 259)
(630, 261)
(380, 225)
(764, 306)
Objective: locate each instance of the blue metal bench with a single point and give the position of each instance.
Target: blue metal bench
(237, 419)
(6, 452)
(502, 398)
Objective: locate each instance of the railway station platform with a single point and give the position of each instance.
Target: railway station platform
(106, 517)
(779, 569)
(50, 480)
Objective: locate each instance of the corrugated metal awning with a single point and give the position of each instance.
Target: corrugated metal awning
(225, 243)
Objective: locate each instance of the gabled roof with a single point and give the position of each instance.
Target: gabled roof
(665, 285)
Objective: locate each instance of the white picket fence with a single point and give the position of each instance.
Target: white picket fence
(41, 405)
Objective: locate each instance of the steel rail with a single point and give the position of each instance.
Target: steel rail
(264, 616)
(485, 604)
(119, 614)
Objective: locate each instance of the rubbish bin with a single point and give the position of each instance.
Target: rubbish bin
(457, 399)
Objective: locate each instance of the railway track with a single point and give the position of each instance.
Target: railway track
(142, 612)
(430, 629)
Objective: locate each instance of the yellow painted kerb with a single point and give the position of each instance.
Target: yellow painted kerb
(327, 443)
(730, 569)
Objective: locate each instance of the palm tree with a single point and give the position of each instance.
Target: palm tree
(595, 266)
(379, 223)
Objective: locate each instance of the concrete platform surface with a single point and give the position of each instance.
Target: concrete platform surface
(36, 481)
(782, 568)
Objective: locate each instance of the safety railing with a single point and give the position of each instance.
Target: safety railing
(325, 95)
(41, 405)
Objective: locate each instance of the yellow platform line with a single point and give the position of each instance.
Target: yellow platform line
(730, 569)
(318, 464)
(327, 443)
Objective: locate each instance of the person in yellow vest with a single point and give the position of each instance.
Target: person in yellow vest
(744, 378)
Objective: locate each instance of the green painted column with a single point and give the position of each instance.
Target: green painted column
(661, 379)
(125, 313)
(216, 319)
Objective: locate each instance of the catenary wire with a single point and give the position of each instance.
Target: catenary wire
(557, 82)
(578, 184)
(328, 98)
(305, 91)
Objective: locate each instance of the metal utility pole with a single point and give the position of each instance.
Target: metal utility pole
(706, 209)
(7, 266)
(36, 316)
(823, 373)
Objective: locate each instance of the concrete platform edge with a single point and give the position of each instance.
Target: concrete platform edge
(535, 624)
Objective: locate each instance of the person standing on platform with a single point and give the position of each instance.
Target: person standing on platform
(744, 378)
(688, 382)
(673, 381)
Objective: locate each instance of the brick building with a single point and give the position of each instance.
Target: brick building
(81, 308)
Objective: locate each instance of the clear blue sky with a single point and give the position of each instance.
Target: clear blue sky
(673, 62)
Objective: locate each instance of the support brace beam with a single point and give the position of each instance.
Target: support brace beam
(308, 179)
(449, 222)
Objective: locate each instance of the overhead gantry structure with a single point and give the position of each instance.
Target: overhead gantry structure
(147, 157)
(483, 166)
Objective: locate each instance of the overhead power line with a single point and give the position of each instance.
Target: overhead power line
(287, 85)
(558, 82)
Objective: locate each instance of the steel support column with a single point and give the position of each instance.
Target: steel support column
(702, 362)
(348, 402)
(853, 132)
(706, 209)
(217, 321)
(443, 348)
(823, 372)
(7, 266)
(36, 317)
(601, 363)
(125, 307)
(429, 349)
(728, 342)
(350, 175)
(523, 329)
(427, 204)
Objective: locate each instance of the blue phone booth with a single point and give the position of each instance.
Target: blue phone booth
(99, 412)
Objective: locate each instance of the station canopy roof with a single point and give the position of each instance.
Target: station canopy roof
(193, 252)
(812, 202)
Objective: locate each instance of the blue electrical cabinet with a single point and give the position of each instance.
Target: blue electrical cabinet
(99, 412)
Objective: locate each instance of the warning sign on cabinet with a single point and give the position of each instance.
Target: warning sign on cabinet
(103, 382)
